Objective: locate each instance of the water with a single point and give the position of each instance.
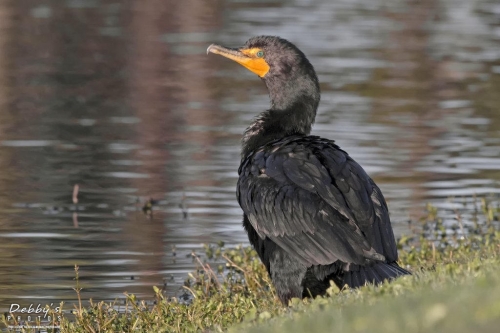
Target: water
(121, 99)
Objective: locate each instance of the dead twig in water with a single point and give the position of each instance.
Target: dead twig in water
(75, 193)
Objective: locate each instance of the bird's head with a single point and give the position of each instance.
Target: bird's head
(266, 56)
(283, 67)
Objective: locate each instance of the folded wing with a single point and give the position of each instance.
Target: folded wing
(314, 201)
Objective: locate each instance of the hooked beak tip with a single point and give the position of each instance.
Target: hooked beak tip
(209, 48)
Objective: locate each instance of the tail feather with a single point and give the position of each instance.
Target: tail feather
(375, 274)
(379, 273)
(384, 271)
(347, 280)
(401, 270)
(359, 278)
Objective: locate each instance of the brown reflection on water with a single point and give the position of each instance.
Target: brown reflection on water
(148, 65)
(11, 178)
(408, 87)
(163, 86)
(11, 250)
(5, 25)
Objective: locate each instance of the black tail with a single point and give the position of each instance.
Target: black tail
(375, 274)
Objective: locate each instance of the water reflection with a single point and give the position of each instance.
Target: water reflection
(120, 98)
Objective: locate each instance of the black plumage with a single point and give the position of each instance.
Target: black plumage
(311, 212)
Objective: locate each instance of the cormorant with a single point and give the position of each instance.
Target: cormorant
(311, 212)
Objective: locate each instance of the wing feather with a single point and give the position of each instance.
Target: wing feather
(314, 201)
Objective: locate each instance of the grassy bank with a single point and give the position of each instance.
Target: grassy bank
(445, 301)
(455, 287)
(461, 295)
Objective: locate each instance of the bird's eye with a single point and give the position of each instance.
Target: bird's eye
(260, 54)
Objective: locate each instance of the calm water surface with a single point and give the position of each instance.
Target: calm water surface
(120, 98)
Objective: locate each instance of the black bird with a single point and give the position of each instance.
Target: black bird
(311, 212)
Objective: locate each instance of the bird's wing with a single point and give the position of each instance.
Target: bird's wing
(364, 199)
(290, 195)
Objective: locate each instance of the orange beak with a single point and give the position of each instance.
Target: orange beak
(244, 57)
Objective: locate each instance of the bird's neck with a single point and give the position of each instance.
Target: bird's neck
(287, 116)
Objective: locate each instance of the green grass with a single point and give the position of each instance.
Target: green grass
(448, 300)
(459, 293)
(455, 288)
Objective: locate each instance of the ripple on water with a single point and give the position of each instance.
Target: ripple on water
(28, 143)
(33, 235)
